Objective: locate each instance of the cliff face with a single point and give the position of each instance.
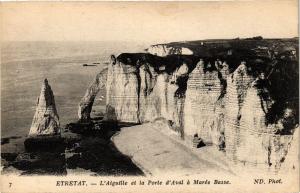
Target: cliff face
(224, 95)
(143, 87)
(152, 101)
(122, 93)
(200, 113)
(237, 85)
(45, 120)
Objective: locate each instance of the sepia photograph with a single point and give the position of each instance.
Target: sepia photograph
(144, 96)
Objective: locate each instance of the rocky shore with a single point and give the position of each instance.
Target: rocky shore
(81, 147)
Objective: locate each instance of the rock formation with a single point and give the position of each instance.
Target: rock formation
(86, 103)
(45, 120)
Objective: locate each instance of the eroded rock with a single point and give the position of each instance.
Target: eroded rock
(45, 120)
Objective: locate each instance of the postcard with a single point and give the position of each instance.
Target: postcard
(144, 96)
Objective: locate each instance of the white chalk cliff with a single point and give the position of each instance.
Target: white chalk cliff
(200, 112)
(122, 93)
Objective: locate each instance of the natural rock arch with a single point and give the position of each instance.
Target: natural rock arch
(86, 103)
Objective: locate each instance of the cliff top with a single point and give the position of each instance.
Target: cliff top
(256, 46)
(260, 54)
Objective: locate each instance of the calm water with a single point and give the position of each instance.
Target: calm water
(24, 66)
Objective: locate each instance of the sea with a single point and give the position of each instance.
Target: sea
(25, 65)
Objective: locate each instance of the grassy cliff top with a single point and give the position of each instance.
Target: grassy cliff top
(260, 54)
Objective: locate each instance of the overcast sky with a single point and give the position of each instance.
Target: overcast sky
(151, 21)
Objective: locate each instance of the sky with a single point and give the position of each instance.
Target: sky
(147, 21)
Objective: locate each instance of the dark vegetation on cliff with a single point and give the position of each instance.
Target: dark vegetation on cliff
(166, 64)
